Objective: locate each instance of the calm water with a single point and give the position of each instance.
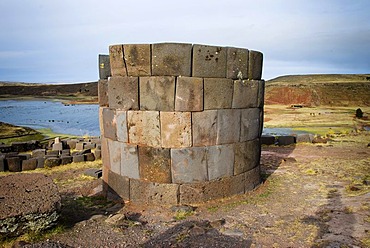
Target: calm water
(80, 119)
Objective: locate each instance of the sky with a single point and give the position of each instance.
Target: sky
(59, 41)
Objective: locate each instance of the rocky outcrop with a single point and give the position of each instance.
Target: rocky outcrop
(28, 202)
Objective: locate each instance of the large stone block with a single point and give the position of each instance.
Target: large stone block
(255, 65)
(237, 63)
(205, 191)
(176, 129)
(137, 58)
(209, 61)
(119, 184)
(228, 126)
(155, 164)
(105, 157)
(261, 94)
(245, 94)
(189, 165)
(121, 122)
(14, 164)
(204, 128)
(250, 124)
(114, 149)
(103, 92)
(286, 140)
(104, 66)
(247, 156)
(252, 178)
(153, 193)
(218, 93)
(267, 140)
(189, 94)
(66, 159)
(157, 93)
(109, 123)
(171, 59)
(220, 161)
(144, 128)
(29, 164)
(129, 161)
(52, 162)
(57, 146)
(2, 163)
(117, 63)
(123, 93)
(38, 153)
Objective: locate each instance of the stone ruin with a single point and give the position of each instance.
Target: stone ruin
(180, 123)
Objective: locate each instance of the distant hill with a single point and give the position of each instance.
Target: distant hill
(321, 89)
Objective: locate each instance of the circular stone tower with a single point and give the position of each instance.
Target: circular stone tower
(180, 123)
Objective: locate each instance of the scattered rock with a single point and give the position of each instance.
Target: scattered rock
(319, 139)
(217, 223)
(93, 172)
(182, 208)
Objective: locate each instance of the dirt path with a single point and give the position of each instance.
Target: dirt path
(313, 196)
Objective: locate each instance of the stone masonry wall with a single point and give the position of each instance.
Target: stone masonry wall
(180, 123)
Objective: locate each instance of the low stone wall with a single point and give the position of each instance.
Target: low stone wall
(180, 123)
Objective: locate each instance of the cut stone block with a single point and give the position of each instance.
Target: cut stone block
(57, 146)
(14, 164)
(155, 164)
(29, 164)
(220, 161)
(40, 162)
(267, 140)
(144, 128)
(261, 121)
(104, 66)
(153, 193)
(209, 61)
(115, 156)
(245, 94)
(123, 93)
(89, 156)
(105, 158)
(218, 93)
(97, 154)
(189, 94)
(261, 94)
(216, 189)
(52, 153)
(171, 59)
(252, 178)
(204, 128)
(2, 163)
(286, 140)
(247, 156)
(109, 123)
(52, 162)
(237, 63)
(103, 92)
(137, 58)
(250, 124)
(189, 165)
(121, 122)
(117, 64)
(66, 152)
(66, 159)
(228, 126)
(78, 158)
(129, 161)
(89, 146)
(255, 65)
(176, 129)
(304, 138)
(157, 93)
(38, 153)
(120, 185)
(80, 146)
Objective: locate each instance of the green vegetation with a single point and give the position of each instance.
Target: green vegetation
(321, 78)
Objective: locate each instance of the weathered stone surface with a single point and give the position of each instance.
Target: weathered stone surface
(40, 162)
(2, 163)
(137, 58)
(38, 153)
(52, 162)
(237, 63)
(247, 156)
(220, 161)
(304, 138)
(40, 208)
(105, 156)
(121, 122)
(103, 92)
(261, 94)
(114, 156)
(153, 193)
(78, 158)
(14, 164)
(144, 128)
(209, 61)
(204, 128)
(205, 191)
(123, 93)
(228, 126)
(157, 93)
(267, 139)
(286, 140)
(129, 161)
(97, 154)
(252, 178)
(29, 164)
(119, 184)
(189, 165)
(104, 66)
(66, 159)
(218, 93)
(155, 164)
(66, 152)
(171, 59)
(245, 94)
(250, 125)
(89, 145)
(72, 143)
(89, 156)
(255, 65)
(189, 94)
(117, 63)
(52, 153)
(109, 124)
(57, 146)
(80, 146)
(176, 129)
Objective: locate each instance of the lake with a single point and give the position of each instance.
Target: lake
(79, 119)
